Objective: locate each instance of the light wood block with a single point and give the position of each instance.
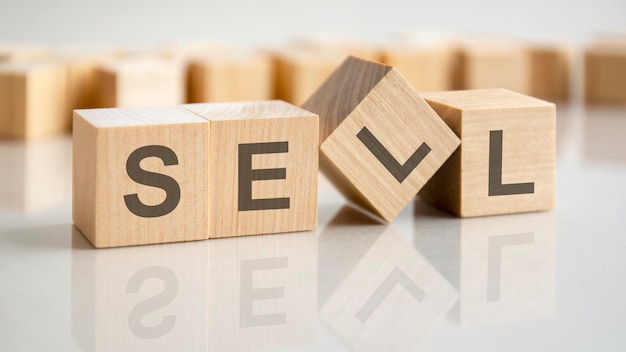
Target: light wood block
(426, 66)
(231, 78)
(263, 167)
(336, 44)
(262, 292)
(605, 73)
(493, 63)
(22, 53)
(299, 74)
(140, 175)
(141, 82)
(32, 99)
(145, 298)
(506, 162)
(380, 142)
(188, 49)
(388, 298)
(550, 71)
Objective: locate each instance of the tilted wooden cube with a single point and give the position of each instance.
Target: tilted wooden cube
(605, 72)
(32, 99)
(506, 162)
(142, 81)
(140, 175)
(231, 78)
(380, 141)
(263, 167)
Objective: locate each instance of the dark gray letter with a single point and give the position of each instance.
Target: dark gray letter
(496, 188)
(166, 183)
(247, 175)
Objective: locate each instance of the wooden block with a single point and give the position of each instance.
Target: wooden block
(605, 73)
(263, 167)
(384, 142)
(336, 44)
(494, 63)
(30, 168)
(427, 66)
(231, 78)
(146, 298)
(32, 99)
(299, 74)
(141, 82)
(188, 49)
(506, 161)
(262, 292)
(390, 298)
(22, 53)
(507, 269)
(140, 175)
(550, 71)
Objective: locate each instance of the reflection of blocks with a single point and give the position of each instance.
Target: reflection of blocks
(32, 99)
(391, 298)
(141, 82)
(507, 269)
(263, 167)
(262, 292)
(140, 175)
(230, 78)
(147, 298)
(605, 73)
(506, 162)
(380, 142)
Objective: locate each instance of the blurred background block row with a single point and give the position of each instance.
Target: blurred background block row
(40, 86)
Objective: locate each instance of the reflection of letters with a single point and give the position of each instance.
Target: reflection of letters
(249, 294)
(154, 303)
(494, 260)
(397, 277)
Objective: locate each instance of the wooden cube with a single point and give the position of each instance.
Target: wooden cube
(32, 99)
(262, 292)
(494, 63)
(140, 175)
(10, 52)
(506, 162)
(231, 78)
(605, 73)
(380, 142)
(187, 49)
(337, 44)
(550, 71)
(299, 74)
(380, 292)
(263, 167)
(141, 82)
(145, 298)
(426, 66)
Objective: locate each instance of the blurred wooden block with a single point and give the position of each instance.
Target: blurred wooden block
(231, 78)
(263, 167)
(141, 82)
(425, 66)
(188, 49)
(299, 74)
(140, 175)
(605, 73)
(494, 63)
(336, 44)
(550, 71)
(22, 53)
(506, 162)
(380, 142)
(32, 99)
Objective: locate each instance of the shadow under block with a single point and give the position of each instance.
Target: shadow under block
(494, 64)
(380, 141)
(140, 175)
(263, 167)
(230, 78)
(141, 82)
(426, 67)
(506, 162)
(32, 100)
(605, 73)
(550, 72)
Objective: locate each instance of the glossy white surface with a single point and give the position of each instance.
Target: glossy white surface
(429, 281)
